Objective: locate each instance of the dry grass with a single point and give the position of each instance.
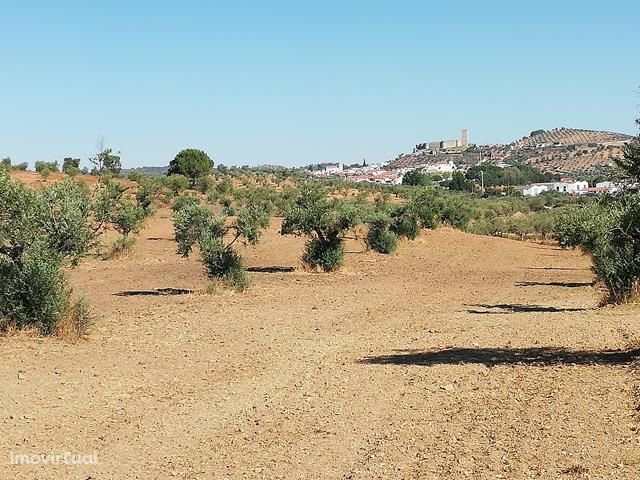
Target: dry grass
(75, 321)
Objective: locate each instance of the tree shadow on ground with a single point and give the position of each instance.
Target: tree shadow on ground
(275, 269)
(557, 268)
(544, 247)
(555, 284)
(491, 357)
(519, 308)
(161, 238)
(157, 291)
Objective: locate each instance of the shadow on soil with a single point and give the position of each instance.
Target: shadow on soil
(502, 308)
(157, 291)
(540, 357)
(557, 268)
(161, 238)
(555, 284)
(271, 269)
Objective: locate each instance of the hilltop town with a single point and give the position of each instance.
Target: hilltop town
(570, 154)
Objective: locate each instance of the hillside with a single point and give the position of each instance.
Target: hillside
(570, 136)
(562, 151)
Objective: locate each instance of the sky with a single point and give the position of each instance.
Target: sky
(295, 82)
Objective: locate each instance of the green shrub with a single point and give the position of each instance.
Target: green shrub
(127, 217)
(120, 247)
(379, 238)
(20, 166)
(33, 291)
(324, 253)
(47, 166)
(45, 172)
(204, 183)
(177, 183)
(227, 206)
(225, 186)
(149, 189)
(586, 226)
(455, 212)
(190, 163)
(426, 205)
(71, 166)
(40, 233)
(184, 201)
(610, 231)
(325, 221)
(194, 224)
(106, 161)
(404, 222)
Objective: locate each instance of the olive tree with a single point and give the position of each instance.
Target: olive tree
(609, 230)
(40, 233)
(106, 160)
(196, 225)
(325, 222)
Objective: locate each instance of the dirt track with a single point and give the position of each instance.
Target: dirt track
(459, 357)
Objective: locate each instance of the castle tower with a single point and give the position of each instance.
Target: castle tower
(465, 138)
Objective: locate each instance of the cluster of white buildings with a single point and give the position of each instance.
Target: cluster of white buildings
(365, 173)
(566, 186)
(378, 174)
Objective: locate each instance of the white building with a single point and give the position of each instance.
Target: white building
(570, 187)
(536, 189)
(332, 168)
(444, 167)
(533, 190)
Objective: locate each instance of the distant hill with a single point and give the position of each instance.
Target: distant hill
(563, 151)
(571, 136)
(157, 171)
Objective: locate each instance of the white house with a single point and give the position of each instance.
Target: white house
(570, 186)
(443, 167)
(332, 168)
(566, 186)
(534, 190)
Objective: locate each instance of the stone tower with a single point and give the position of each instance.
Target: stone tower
(465, 138)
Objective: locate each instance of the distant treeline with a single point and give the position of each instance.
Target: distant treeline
(509, 176)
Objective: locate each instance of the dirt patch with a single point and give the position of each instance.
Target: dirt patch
(378, 371)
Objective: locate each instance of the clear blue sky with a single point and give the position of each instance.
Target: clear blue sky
(301, 82)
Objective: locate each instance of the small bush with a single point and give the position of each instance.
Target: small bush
(586, 226)
(326, 254)
(379, 238)
(75, 320)
(33, 290)
(615, 257)
(127, 217)
(20, 166)
(149, 189)
(47, 166)
(227, 207)
(204, 184)
(404, 222)
(325, 222)
(184, 201)
(120, 248)
(177, 183)
(196, 225)
(455, 212)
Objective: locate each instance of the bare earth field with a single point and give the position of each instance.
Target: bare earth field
(458, 357)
